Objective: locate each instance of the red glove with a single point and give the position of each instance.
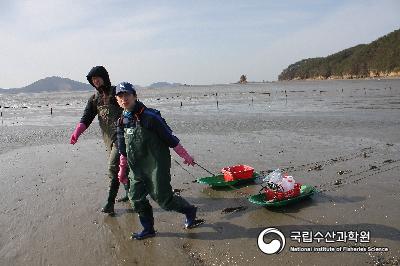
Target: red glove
(123, 164)
(180, 150)
(80, 128)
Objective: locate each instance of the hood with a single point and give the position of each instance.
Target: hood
(99, 71)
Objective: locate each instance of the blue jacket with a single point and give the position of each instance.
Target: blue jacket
(150, 119)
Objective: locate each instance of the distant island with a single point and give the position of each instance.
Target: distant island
(163, 84)
(51, 84)
(380, 58)
(59, 84)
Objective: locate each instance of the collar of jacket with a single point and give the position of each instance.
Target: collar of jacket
(138, 108)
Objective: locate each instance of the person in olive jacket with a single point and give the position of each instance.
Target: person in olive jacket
(103, 104)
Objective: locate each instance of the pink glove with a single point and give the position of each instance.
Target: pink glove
(80, 128)
(123, 164)
(180, 150)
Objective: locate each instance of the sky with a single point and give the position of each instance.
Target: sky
(190, 42)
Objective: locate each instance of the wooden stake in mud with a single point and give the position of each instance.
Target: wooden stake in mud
(285, 97)
(181, 104)
(51, 111)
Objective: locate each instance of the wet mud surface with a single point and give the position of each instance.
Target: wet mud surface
(346, 144)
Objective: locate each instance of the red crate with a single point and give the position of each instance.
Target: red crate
(280, 195)
(237, 172)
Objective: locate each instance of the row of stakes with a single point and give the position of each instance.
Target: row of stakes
(51, 112)
(286, 95)
(216, 94)
(1, 114)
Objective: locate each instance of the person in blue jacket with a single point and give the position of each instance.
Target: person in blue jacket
(144, 139)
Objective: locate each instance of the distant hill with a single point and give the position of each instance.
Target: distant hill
(164, 85)
(380, 58)
(58, 84)
(51, 84)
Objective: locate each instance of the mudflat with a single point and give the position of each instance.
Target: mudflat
(340, 136)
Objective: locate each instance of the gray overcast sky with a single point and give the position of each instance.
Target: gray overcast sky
(193, 42)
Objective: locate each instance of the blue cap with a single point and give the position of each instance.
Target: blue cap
(125, 87)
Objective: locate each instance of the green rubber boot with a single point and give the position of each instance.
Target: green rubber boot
(112, 194)
(124, 198)
(108, 208)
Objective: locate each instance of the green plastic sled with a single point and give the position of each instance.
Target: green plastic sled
(218, 180)
(305, 191)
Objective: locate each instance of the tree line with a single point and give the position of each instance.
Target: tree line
(379, 58)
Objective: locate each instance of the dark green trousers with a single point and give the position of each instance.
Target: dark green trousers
(149, 161)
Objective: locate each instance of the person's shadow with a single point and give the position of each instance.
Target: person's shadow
(236, 207)
(315, 200)
(226, 230)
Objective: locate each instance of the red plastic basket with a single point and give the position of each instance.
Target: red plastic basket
(280, 195)
(237, 172)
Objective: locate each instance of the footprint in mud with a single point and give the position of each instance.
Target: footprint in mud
(315, 168)
(233, 209)
(338, 182)
(342, 172)
(373, 167)
(178, 191)
(196, 223)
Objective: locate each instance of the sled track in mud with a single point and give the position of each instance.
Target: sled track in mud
(332, 161)
(368, 173)
(346, 177)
